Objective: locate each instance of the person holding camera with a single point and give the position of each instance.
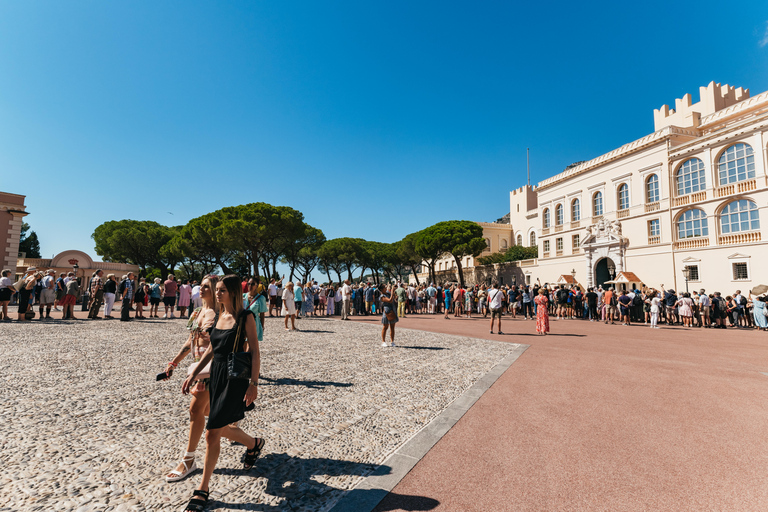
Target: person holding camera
(388, 315)
(197, 344)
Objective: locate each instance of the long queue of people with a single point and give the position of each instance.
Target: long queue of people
(138, 298)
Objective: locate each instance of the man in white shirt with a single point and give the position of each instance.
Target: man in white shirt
(196, 300)
(346, 295)
(272, 296)
(48, 295)
(432, 297)
(495, 300)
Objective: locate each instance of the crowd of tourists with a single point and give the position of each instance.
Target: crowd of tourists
(138, 298)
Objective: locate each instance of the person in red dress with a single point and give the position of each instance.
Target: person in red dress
(542, 314)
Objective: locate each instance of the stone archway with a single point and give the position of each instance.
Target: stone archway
(601, 271)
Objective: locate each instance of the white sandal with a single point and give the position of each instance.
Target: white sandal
(188, 468)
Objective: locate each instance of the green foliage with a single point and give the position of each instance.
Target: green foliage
(514, 253)
(28, 242)
(343, 255)
(138, 242)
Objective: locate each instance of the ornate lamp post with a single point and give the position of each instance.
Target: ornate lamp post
(611, 270)
(573, 274)
(686, 275)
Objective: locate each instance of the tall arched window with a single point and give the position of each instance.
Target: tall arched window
(623, 194)
(503, 244)
(533, 239)
(546, 218)
(519, 239)
(597, 204)
(739, 215)
(488, 243)
(690, 177)
(692, 223)
(737, 163)
(652, 188)
(559, 215)
(575, 210)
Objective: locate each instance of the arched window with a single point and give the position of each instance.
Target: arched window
(519, 239)
(575, 210)
(652, 188)
(737, 163)
(546, 218)
(597, 204)
(503, 244)
(488, 243)
(559, 215)
(739, 215)
(692, 223)
(690, 177)
(533, 239)
(623, 196)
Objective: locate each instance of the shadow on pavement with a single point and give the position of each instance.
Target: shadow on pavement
(292, 479)
(406, 502)
(423, 348)
(313, 384)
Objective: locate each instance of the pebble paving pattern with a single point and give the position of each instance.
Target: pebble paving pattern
(85, 427)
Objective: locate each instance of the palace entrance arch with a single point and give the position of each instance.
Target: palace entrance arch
(602, 272)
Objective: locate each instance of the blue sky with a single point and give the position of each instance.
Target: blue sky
(374, 120)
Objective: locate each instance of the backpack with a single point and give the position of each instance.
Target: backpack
(121, 288)
(743, 301)
(614, 301)
(637, 301)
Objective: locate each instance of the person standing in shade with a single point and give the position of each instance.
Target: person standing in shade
(496, 303)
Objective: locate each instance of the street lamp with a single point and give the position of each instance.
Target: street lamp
(686, 275)
(611, 270)
(573, 274)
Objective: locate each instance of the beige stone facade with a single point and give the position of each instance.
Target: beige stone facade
(690, 197)
(12, 212)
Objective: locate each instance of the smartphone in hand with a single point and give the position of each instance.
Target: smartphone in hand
(162, 376)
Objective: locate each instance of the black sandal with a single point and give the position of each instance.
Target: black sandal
(249, 459)
(197, 504)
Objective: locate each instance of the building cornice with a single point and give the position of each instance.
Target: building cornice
(733, 110)
(621, 152)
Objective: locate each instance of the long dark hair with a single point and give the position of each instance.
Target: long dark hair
(233, 284)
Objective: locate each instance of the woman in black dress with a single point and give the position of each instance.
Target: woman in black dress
(228, 398)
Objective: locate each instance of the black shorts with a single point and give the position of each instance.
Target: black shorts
(496, 313)
(5, 294)
(154, 301)
(273, 300)
(169, 301)
(317, 302)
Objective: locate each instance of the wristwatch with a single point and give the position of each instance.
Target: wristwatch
(254, 383)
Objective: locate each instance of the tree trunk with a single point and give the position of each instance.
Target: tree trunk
(416, 276)
(461, 271)
(330, 279)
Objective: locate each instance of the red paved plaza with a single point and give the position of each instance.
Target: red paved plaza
(604, 417)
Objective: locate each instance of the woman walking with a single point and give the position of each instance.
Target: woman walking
(256, 300)
(197, 343)
(542, 312)
(185, 297)
(388, 315)
(228, 398)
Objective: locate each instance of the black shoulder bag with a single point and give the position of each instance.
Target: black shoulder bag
(238, 362)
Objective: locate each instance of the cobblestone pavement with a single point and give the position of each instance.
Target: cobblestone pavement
(85, 426)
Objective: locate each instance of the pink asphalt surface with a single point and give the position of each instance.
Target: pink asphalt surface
(604, 417)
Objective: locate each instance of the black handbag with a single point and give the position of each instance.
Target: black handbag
(239, 363)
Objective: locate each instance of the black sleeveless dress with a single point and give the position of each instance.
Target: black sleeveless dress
(227, 405)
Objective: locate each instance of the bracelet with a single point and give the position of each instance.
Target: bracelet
(173, 364)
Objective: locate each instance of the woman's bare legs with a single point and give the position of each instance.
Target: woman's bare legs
(199, 407)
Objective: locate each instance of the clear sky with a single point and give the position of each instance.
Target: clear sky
(374, 120)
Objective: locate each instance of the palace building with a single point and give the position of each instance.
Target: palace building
(681, 207)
